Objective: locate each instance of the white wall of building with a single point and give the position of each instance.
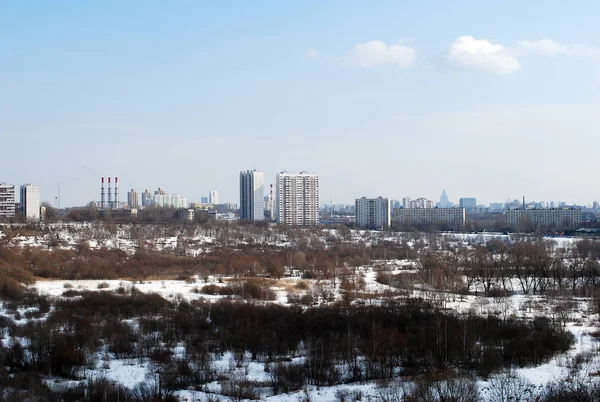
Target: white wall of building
(30, 202)
(373, 213)
(297, 199)
(7, 200)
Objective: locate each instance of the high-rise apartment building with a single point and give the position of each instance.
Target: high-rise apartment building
(30, 202)
(7, 200)
(169, 201)
(297, 199)
(146, 198)
(133, 198)
(252, 188)
(373, 213)
(213, 197)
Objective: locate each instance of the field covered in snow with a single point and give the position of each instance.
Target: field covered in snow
(566, 299)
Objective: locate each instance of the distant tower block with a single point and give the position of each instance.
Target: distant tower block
(109, 206)
(102, 195)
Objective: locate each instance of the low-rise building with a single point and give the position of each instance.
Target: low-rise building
(444, 218)
(544, 219)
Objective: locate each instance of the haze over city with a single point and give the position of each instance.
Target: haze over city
(493, 101)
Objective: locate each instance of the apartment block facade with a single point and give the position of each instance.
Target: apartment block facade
(546, 219)
(30, 202)
(373, 213)
(297, 199)
(451, 218)
(7, 201)
(252, 202)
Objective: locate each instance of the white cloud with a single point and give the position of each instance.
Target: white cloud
(376, 53)
(468, 52)
(312, 54)
(551, 47)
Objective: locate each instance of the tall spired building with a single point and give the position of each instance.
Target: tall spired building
(444, 203)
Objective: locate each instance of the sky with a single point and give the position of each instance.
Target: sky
(493, 100)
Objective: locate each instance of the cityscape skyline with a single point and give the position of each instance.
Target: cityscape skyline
(53, 198)
(463, 96)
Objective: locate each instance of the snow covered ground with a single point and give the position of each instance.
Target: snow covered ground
(130, 372)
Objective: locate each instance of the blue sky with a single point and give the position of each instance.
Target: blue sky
(493, 100)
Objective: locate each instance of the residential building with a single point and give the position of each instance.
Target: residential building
(146, 198)
(419, 203)
(373, 213)
(450, 218)
(544, 219)
(132, 198)
(469, 204)
(30, 202)
(213, 197)
(252, 203)
(185, 214)
(7, 200)
(406, 202)
(297, 199)
(226, 207)
(169, 201)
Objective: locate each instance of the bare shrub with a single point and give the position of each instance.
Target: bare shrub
(211, 289)
(510, 387)
(457, 389)
(238, 389)
(287, 377)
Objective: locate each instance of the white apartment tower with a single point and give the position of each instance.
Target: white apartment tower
(213, 197)
(7, 201)
(297, 199)
(373, 213)
(30, 202)
(252, 188)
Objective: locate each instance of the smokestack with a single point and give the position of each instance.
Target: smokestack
(109, 206)
(102, 194)
(116, 193)
(523, 202)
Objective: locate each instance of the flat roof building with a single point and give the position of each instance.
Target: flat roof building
(30, 202)
(297, 199)
(7, 201)
(545, 219)
(450, 218)
(373, 213)
(252, 202)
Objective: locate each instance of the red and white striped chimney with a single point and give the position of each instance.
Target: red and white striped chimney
(116, 206)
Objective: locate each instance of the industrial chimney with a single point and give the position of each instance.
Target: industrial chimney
(102, 194)
(109, 206)
(116, 206)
